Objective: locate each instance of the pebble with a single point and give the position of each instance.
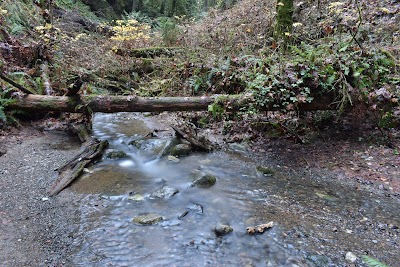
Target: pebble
(350, 257)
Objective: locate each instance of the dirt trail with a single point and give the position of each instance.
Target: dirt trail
(35, 230)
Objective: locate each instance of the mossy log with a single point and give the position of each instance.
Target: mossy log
(111, 104)
(149, 52)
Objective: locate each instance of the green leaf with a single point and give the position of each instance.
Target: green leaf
(371, 262)
(3, 116)
(344, 48)
(331, 79)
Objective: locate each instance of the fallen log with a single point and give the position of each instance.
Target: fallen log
(91, 151)
(186, 132)
(110, 104)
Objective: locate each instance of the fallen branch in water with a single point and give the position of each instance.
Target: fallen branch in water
(186, 132)
(259, 229)
(91, 151)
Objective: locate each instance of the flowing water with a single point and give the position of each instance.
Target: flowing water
(305, 212)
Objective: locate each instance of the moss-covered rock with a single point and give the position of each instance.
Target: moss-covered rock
(223, 229)
(148, 219)
(181, 150)
(204, 181)
(116, 155)
(265, 170)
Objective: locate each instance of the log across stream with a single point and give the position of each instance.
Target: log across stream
(111, 104)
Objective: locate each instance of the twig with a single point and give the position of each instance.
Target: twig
(20, 87)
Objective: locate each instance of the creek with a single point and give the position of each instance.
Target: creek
(316, 221)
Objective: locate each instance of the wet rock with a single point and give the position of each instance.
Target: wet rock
(148, 219)
(116, 155)
(204, 181)
(350, 257)
(137, 143)
(181, 150)
(156, 146)
(173, 159)
(170, 145)
(223, 229)
(164, 192)
(196, 208)
(136, 197)
(265, 170)
(241, 148)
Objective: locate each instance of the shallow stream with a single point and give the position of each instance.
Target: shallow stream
(315, 222)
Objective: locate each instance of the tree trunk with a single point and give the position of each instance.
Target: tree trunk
(110, 104)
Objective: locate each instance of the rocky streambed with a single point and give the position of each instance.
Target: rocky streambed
(153, 202)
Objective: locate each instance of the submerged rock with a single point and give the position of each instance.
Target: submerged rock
(205, 181)
(148, 219)
(173, 159)
(116, 155)
(156, 146)
(265, 170)
(223, 229)
(164, 192)
(136, 197)
(181, 150)
(196, 208)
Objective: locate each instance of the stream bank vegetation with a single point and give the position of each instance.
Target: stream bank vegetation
(341, 56)
(312, 52)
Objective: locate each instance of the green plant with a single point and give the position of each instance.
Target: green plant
(4, 102)
(169, 30)
(20, 15)
(216, 110)
(79, 6)
(371, 262)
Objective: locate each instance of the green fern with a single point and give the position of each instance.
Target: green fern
(371, 262)
(4, 101)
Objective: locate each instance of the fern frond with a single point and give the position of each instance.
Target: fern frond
(371, 262)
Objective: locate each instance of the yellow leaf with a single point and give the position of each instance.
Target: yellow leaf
(335, 5)
(384, 10)
(281, 4)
